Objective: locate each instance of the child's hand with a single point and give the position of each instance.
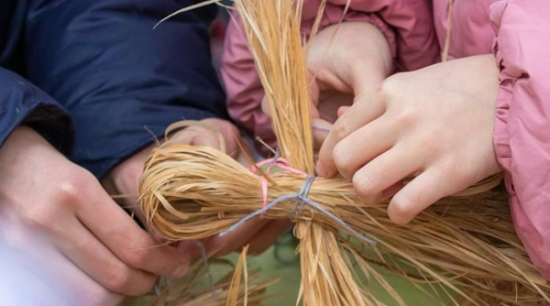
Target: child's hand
(435, 124)
(90, 243)
(124, 180)
(351, 58)
(344, 61)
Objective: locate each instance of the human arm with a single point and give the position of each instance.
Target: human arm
(392, 20)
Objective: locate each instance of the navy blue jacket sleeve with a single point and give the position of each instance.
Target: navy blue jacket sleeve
(117, 76)
(23, 103)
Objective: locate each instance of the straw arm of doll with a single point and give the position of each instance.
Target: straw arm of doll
(522, 123)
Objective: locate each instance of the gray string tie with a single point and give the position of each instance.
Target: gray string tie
(274, 159)
(304, 192)
(204, 258)
(301, 200)
(321, 128)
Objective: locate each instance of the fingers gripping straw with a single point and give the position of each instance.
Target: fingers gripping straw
(190, 193)
(301, 199)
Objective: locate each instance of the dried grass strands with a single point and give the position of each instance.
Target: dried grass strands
(273, 33)
(235, 288)
(465, 245)
(190, 291)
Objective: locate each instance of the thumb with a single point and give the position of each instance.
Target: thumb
(221, 135)
(352, 58)
(209, 132)
(363, 80)
(206, 138)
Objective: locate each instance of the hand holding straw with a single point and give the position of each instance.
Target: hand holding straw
(464, 245)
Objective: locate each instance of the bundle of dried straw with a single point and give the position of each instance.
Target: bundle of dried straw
(465, 245)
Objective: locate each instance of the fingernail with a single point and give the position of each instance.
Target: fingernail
(180, 271)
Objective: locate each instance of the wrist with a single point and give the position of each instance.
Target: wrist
(24, 132)
(24, 140)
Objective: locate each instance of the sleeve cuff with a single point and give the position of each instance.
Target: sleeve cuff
(23, 103)
(501, 138)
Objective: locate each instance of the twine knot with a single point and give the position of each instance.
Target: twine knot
(301, 199)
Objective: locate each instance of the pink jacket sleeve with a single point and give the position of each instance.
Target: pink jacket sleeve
(242, 84)
(407, 26)
(522, 125)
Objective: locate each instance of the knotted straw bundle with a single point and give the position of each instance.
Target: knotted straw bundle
(464, 246)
